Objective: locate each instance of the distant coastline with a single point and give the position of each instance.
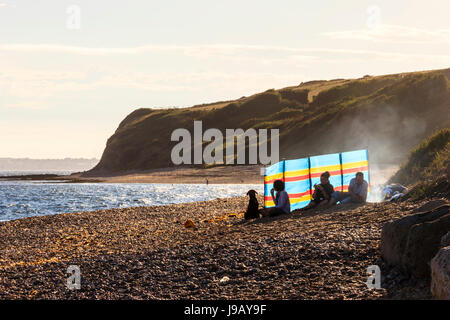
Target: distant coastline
(216, 175)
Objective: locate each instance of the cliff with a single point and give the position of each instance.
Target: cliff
(388, 114)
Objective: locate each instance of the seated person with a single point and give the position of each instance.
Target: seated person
(322, 193)
(357, 191)
(281, 200)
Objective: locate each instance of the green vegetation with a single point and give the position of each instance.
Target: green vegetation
(353, 89)
(427, 168)
(428, 160)
(389, 114)
(435, 188)
(300, 96)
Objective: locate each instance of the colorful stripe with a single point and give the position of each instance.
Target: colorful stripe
(353, 162)
(273, 177)
(297, 182)
(330, 163)
(345, 188)
(271, 174)
(336, 167)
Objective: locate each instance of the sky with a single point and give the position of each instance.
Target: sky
(70, 71)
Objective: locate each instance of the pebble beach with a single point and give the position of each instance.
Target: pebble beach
(148, 253)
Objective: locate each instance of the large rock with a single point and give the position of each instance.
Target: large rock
(401, 240)
(430, 205)
(394, 234)
(440, 274)
(445, 241)
(424, 241)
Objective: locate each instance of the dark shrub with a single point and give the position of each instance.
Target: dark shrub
(300, 96)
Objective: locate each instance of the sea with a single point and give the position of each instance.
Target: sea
(21, 199)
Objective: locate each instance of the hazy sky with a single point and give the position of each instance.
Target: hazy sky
(70, 71)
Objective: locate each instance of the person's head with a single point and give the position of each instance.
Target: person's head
(278, 185)
(324, 177)
(359, 177)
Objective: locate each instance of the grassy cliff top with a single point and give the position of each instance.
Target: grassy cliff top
(388, 114)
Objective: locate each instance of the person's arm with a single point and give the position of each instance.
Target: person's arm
(325, 195)
(316, 188)
(350, 190)
(354, 196)
(282, 198)
(273, 196)
(364, 195)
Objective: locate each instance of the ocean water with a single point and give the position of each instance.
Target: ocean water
(19, 199)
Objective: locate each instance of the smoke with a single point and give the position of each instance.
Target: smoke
(390, 135)
(378, 178)
(387, 133)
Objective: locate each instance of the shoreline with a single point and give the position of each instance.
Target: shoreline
(186, 175)
(147, 253)
(179, 175)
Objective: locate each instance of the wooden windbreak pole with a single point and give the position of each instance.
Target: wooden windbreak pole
(342, 172)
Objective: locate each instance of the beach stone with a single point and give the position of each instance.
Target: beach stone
(189, 224)
(411, 242)
(440, 274)
(424, 241)
(445, 241)
(170, 262)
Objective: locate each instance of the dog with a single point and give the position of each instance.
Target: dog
(252, 209)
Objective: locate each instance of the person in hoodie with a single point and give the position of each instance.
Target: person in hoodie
(280, 198)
